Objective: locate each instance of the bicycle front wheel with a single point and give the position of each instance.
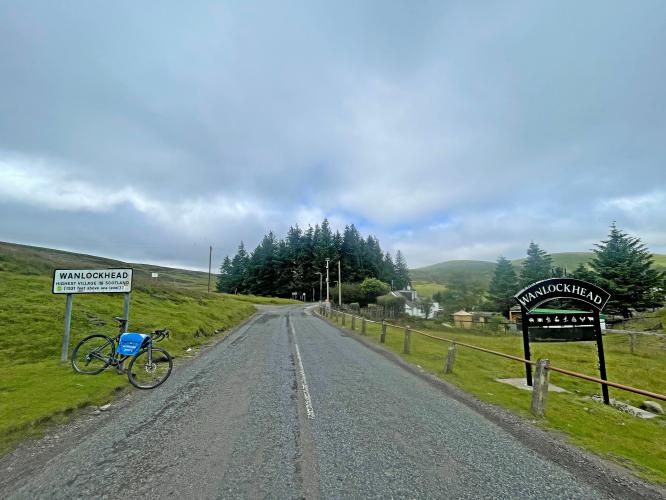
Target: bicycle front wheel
(144, 374)
(93, 354)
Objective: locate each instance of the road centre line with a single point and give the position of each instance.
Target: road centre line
(304, 385)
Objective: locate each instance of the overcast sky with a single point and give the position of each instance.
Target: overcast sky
(146, 131)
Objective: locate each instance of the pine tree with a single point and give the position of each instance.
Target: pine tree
(584, 274)
(238, 280)
(388, 269)
(536, 267)
(623, 267)
(401, 272)
(503, 286)
(223, 280)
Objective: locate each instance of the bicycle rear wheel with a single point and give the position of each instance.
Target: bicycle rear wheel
(145, 375)
(93, 354)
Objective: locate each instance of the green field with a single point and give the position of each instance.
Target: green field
(427, 289)
(35, 388)
(624, 439)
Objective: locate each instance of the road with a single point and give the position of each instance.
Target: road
(289, 406)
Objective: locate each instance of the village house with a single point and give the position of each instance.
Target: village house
(413, 303)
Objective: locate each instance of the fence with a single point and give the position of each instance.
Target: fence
(649, 322)
(543, 366)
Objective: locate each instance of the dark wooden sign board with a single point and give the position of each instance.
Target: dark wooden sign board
(541, 292)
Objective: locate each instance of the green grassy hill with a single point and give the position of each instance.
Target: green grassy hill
(482, 271)
(442, 273)
(38, 261)
(35, 388)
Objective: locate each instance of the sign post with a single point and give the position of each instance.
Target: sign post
(526, 347)
(71, 281)
(536, 294)
(68, 323)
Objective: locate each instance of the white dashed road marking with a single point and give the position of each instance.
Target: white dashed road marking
(304, 382)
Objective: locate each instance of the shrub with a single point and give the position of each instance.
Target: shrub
(392, 303)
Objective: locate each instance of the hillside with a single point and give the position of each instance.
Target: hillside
(482, 271)
(31, 260)
(477, 270)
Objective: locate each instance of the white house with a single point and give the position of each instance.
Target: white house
(413, 303)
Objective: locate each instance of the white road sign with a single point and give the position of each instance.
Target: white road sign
(92, 281)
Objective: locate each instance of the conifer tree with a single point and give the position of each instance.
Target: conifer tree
(622, 265)
(401, 272)
(585, 274)
(223, 280)
(503, 286)
(536, 267)
(388, 269)
(237, 282)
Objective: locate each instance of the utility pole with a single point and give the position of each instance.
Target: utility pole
(210, 259)
(339, 286)
(327, 299)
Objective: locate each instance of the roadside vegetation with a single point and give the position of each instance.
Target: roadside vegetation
(36, 389)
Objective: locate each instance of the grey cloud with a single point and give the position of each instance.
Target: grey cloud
(505, 118)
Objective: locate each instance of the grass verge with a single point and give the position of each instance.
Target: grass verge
(627, 440)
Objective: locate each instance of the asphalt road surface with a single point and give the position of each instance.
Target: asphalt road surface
(289, 406)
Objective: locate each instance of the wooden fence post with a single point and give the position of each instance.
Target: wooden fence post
(407, 346)
(363, 327)
(540, 388)
(632, 342)
(450, 359)
(353, 325)
(382, 338)
(344, 319)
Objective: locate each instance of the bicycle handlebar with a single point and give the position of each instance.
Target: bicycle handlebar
(159, 335)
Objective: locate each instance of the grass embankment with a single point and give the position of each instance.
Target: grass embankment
(35, 388)
(631, 441)
(258, 299)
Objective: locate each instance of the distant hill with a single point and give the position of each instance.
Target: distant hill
(481, 271)
(567, 260)
(31, 260)
(442, 273)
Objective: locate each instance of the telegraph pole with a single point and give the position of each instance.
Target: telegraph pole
(327, 299)
(339, 286)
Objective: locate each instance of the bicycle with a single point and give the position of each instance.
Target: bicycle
(149, 367)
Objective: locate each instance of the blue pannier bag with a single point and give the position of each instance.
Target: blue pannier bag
(130, 343)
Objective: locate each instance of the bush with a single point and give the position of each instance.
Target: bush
(392, 303)
(372, 288)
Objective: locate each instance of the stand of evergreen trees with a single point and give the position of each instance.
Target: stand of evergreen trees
(621, 264)
(279, 267)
